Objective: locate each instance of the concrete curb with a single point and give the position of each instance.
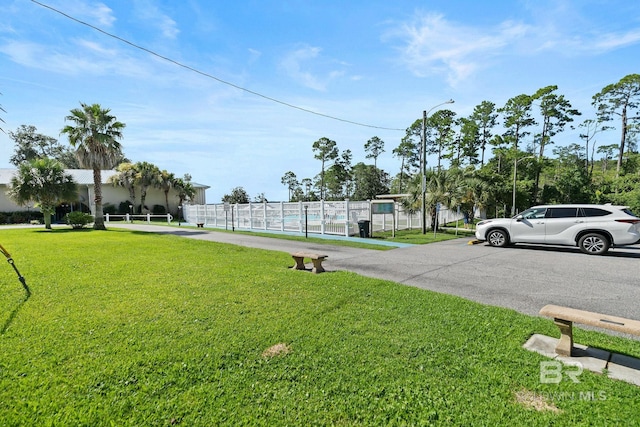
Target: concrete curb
(615, 366)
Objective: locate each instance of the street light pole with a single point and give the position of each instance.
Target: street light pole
(423, 163)
(515, 172)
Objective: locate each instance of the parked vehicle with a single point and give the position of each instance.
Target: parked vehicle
(592, 228)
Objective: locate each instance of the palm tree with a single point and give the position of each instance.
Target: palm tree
(148, 176)
(126, 177)
(165, 183)
(442, 187)
(43, 182)
(95, 136)
(477, 193)
(185, 190)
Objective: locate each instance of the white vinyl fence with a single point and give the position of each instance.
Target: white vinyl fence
(320, 217)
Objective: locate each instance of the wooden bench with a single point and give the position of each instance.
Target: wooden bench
(315, 258)
(565, 316)
(200, 224)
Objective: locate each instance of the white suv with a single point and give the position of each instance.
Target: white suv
(593, 228)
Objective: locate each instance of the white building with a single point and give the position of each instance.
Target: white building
(111, 194)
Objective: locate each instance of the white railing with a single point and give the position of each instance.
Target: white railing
(141, 217)
(319, 217)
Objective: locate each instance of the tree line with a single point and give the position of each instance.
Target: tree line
(338, 177)
(94, 135)
(499, 158)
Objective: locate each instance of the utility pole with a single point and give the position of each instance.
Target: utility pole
(423, 163)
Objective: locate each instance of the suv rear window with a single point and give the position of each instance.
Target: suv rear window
(593, 212)
(561, 213)
(628, 212)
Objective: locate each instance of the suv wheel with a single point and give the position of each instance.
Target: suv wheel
(593, 244)
(498, 238)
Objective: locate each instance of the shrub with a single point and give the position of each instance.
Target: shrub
(123, 207)
(18, 217)
(158, 210)
(78, 219)
(109, 208)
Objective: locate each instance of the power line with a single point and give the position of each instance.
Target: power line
(202, 73)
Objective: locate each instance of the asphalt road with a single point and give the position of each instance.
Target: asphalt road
(522, 277)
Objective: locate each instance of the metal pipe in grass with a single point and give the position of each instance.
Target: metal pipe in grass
(20, 277)
(24, 285)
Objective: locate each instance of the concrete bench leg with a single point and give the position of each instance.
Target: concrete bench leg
(299, 263)
(565, 344)
(317, 265)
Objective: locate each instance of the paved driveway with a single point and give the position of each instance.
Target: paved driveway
(522, 277)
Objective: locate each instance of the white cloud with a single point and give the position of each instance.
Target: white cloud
(147, 11)
(84, 58)
(432, 44)
(307, 66)
(7, 28)
(168, 27)
(254, 55)
(95, 12)
(293, 65)
(97, 48)
(103, 14)
(606, 42)
(41, 57)
(23, 53)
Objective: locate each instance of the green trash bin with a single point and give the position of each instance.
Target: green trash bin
(363, 225)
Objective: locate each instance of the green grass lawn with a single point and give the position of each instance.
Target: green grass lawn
(132, 329)
(416, 237)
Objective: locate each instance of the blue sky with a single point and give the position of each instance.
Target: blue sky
(376, 63)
